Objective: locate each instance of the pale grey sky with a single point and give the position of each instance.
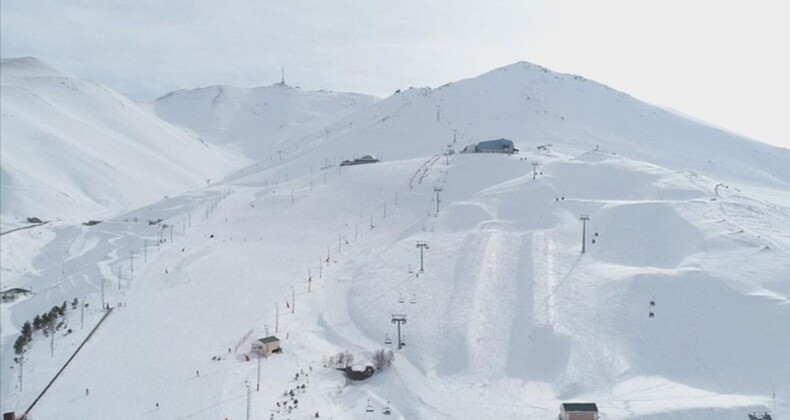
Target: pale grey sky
(722, 62)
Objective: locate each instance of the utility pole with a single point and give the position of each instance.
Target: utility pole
(438, 199)
(102, 292)
(584, 218)
(423, 246)
(534, 170)
(258, 386)
(293, 300)
(119, 276)
(399, 319)
(131, 260)
(276, 317)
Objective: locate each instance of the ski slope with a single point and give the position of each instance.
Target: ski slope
(509, 317)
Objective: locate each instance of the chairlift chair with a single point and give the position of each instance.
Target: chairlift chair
(387, 410)
(369, 408)
(413, 299)
(387, 339)
(400, 299)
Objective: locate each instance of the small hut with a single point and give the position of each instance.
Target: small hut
(264, 347)
(578, 411)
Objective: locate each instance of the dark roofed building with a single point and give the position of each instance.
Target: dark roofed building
(360, 161)
(11, 295)
(492, 146)
(578, 411)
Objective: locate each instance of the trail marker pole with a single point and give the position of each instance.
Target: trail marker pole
(438, 199)
(249, 394)
(21, 369)
(258, 386)
(82, 313)
(131, 261)
(293, 300)
(276, 317)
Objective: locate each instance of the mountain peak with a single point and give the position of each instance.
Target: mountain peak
(28, 67)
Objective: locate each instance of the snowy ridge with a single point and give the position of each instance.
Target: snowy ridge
(258, 121)
(74, 148)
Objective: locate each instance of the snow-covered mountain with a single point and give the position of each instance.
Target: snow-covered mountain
(534, 106)
(74, 148)
(679, 308)
(259, 121)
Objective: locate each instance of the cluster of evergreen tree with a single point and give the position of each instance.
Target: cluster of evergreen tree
(47, 323)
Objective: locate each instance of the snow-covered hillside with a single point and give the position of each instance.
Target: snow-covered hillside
(679, 308)
(259, 121)
(74, 148)
(533, 106)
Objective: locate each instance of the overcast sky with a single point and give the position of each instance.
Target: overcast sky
(726, 62)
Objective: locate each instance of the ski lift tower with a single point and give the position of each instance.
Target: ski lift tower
(584, 218)
(399, 319)
(423, 246)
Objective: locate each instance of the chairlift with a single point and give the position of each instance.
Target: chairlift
(413, 299)
(652, 303)
(387, 339)
(411, 270)
(652, 315)
(369, 408)
(387, 410)
(401, 299)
